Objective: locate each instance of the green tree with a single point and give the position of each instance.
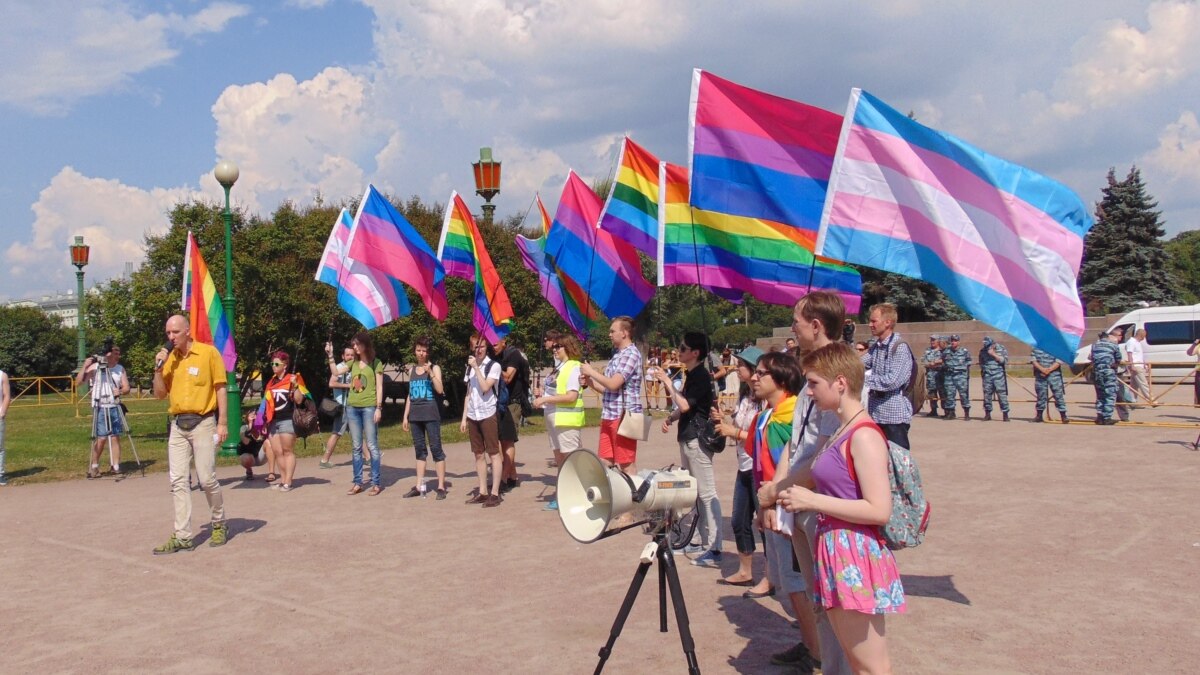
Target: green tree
(1124, 260)
(915, 300)
(33, 343)
(1184, 255)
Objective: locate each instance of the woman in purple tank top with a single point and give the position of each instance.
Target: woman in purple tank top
(856, 578)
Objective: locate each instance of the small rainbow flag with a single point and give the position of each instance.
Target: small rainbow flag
(208, 321)
(464, 255)
(731, 255)
(631, 211)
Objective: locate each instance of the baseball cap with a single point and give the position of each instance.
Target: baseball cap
(750, 355)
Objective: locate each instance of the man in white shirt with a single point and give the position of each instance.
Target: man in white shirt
(1135, 351)
(107, 420)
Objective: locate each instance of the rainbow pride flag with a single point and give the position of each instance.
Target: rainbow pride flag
(463, 254)
(631, 211)
(565, 296)
(1002, 241)
(730, 255)
(208, 323)
(607, 269)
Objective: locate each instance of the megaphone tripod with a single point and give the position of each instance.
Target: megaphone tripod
(668, 577)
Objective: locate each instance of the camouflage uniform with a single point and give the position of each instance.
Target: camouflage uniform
(995, 379)
(957, 377)
(1105, 355)
(934, 385)
(1053, 382)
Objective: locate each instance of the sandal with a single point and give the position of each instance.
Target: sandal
(375, 489)
(272, 478)
(355, 489)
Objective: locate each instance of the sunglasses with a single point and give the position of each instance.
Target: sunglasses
(556, 346)
(278, 363)
(761, 373)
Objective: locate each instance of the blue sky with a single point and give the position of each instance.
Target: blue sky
(111, 111)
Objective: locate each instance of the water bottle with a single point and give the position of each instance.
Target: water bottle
(421, 489)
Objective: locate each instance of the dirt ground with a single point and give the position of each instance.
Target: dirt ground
(1052, 549)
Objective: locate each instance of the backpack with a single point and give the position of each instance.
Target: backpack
(910, 510)
(914, 391)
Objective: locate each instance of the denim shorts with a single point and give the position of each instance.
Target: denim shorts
(107, 422)
(281, 427)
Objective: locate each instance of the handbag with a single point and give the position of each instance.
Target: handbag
(711, 440)
(634, 425)
(304, 418)
(329, 407)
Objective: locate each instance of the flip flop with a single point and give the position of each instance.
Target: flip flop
(751, 595)
(726, 582)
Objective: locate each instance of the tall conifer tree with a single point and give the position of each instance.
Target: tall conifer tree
(1124, 260)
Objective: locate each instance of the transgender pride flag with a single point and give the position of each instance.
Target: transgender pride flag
(1003, 242)
(371, 297)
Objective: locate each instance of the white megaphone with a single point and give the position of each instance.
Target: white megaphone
(590, 495)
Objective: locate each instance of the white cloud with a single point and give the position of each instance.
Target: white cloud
(113, 219)
(291, 139)
(1117, 62)
(1178, 153)
(60, 51)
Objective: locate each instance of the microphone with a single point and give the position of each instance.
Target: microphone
(158, 363)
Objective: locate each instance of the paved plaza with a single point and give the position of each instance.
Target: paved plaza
(1052, 549)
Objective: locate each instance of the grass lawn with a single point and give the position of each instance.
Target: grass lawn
(50, 443)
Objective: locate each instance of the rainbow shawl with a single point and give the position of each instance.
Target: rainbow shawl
(772, 432)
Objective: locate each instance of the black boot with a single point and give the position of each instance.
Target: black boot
(932, 412)
(1005, 417)
(1039, 417)
(966, 413)
(1099, 419)
(1063, 415)
(950, 415)
(987, 416)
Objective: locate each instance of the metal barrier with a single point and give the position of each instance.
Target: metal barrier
(43, 391)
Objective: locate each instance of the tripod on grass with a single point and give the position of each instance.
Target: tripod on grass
(106, 403)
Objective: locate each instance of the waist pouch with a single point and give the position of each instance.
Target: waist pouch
(189, 421)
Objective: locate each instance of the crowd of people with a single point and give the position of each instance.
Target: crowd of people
(811, 426)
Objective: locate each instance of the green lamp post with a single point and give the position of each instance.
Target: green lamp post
(79, 258)
(226, 173)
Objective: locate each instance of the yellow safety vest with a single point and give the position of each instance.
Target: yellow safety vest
(567, 415)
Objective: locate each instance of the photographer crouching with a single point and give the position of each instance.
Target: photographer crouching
(108, 382)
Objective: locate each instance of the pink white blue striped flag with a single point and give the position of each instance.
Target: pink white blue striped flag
(1002, 241)
(368, 295)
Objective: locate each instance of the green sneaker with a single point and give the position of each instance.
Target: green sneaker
(326, 465)
(220, 535)
(174, 545)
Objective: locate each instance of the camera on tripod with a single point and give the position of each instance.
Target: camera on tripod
(105, 349)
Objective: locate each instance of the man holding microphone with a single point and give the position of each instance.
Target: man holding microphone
(192, 374)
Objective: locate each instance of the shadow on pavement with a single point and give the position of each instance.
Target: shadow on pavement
(940, 586)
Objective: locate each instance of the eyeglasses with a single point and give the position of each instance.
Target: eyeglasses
(278, 363)
(684, 348)
(761, 373)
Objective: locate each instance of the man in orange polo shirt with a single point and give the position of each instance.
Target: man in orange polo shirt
(193, 375)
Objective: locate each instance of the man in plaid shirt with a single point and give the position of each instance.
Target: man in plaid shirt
(620, 387)
(889, 364)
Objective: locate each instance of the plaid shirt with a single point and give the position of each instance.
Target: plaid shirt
(889, 376)
(627, 362)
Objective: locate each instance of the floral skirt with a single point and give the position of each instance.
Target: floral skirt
(855, 570)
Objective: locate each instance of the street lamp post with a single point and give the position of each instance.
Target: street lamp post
(79, 258)
(487, 181)
(226, 173)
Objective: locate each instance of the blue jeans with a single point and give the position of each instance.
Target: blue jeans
(363, 419)
(745, 506)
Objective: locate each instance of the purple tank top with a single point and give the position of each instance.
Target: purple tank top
(830, 472)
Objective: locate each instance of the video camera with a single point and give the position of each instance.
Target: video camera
(104, 349)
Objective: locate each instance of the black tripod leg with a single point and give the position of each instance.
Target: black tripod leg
(662, 598)
(667, 561)
(626, 606)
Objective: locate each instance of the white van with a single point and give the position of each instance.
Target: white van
(1169, 333)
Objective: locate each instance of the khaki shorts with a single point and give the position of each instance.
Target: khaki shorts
(484, 435)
